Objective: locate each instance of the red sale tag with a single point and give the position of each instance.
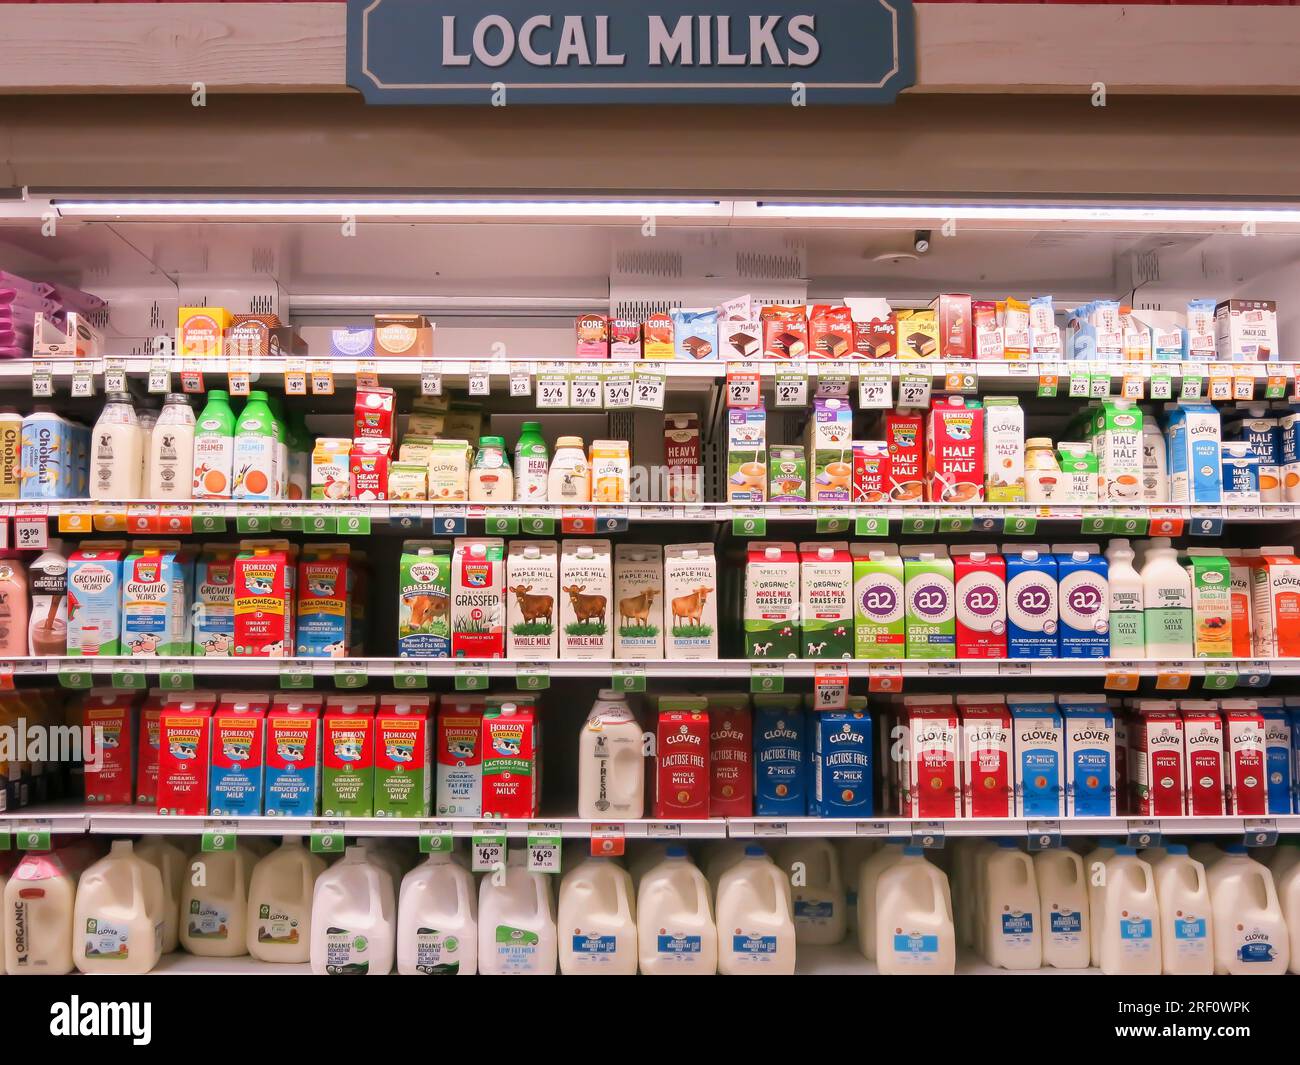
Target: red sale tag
(884, 677)
(607, 841)
(578, 521)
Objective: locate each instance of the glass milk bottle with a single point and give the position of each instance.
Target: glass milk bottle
(569, 480)
(1167, 599)
(116, 451)
(171, 452)
(148, 418)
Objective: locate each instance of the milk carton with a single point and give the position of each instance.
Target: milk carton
(403, 773)
(94, 598)
(148, 738)
(293, 755)
(235, 774)
(325, 586)
(586, 587)
(1288, 457)
(731, 745)
(682, 759)
(746, 455)
(830, 451)
(265, 575)
(214, 601)
(1247, 782)
(348, 775)
(424, 599)
(639, 596)
(1004, 450)
(1090, 785)
(929, 613)
(826, 601)
(1036, 727)
(1211, 576)
(478, 612)
(1083, 601)
(1194, 440)
(980, 577)
(878, 627)
(459, 750)
(1116, 434)
(1275, 602)
(771, 612)
(842, 764)
(157, 581)
(690, 595)
(1032, 615)
(780, 757)
(954, 451)
(185, 732)
(933, 786)
(905, 437)
(1241, 472)
(532, 605)
(1204, 779)
(1278, 748)
(107, 715)
(1157, 759)
(988, 780)
(511, 781)
(1240, 597)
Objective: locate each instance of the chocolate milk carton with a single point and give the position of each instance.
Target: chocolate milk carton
(826, 607)
(293, 755)
(980, 578)
(1083, 601)
(403, 773)
(1243, 729)
(586, 588)
(1032, 617)
(929, 613)
(639, 597)
(1204, 778)
(459, 748)
(690, 596)
(878, 604)
(771, 612)
(1090, 785)
(348, 779)
(1040, 756)
(478, 610)
(532, 599)
(988, 781)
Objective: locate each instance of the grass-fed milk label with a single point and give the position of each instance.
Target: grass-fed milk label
(532, 583)
(586, 586)
(771, 612)
(826, 583)
(639, 596)
(1211, 575)
(929, 614)
(878, 628)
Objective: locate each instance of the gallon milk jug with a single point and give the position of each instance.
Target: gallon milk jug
(853, 852)
(169, 860)
(867, 881)
(1012, 936)
(812, 870)
(720, 856)
(1063, 908)
(674, 919)
(38, 904)
(1186, 921)
(1250, 934)
(214, 914)
(278, 927)
(1288, 892)
(979, 926)
(756, 934)
(118, 917)
(437, 919)
(384, 854)
(611, 763)
(1284, 858)
(1130, 936)
(516, 922)
(597, 920)
(914, 926)
(644, 858)
(1094, 868)
(963, 882)
(353, 918)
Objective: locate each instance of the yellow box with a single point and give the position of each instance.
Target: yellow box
(200, 332)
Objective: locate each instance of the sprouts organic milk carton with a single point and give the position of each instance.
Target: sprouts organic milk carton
(532, 586)
(771, 613)
(690, 594)
(478, 614)
(639, 596)
(878, 626)
(586, 587)
(459, 750)
(826, 609)
(424, 599)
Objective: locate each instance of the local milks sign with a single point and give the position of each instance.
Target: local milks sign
(607, 51)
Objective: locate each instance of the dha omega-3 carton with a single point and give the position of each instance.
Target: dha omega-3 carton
(879, 630)
(293, 754)
(265, 577)
(348, 774)
(403, 773)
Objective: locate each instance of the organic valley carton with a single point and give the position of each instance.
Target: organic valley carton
(424, 599)
(1247, 783)
(459, 750)
(106, 721)
(532, 584)
(478, 614)
(690, 595)
(265, 576)
(988, 787)
(1004, 450)
(214, 601)
(878, 629)
(1275, 602)
(293, 755)
(1204, 778)
(929, 614)
(771, 613)
(954, 451)
(511, 785)
(746, 455)
(185, 732)
(1040, 756)
(235, 775)
(403, 773)
(1211, 575)
(682, 759)
(1090, 786)
(94, 598)
(348, 776)
(586, 587)
(826, 606)
(1116, 435)
(980, 581)
(829, 450)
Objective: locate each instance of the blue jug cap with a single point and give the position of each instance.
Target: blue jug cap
(675, 852)
(1007, 844)
(1176, 848)
(1124, 848)
(755, 851)
(914, 852)
(1235, 848)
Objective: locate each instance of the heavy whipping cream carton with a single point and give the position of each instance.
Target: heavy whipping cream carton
(878, 627)
(1037, 735)
(691, 598)
(1032, 615)
(639, 597)
(532, 604)
(1083, 601)
(933, 784)
(771, 611)
(980, 576)
(1090, 783)
(1247, 784)
(826, 606)
(1203, 758)
(988, 778)
(1157, 756)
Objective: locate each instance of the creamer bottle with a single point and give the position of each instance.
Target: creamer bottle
(516, 922)
(1127, 624)
(676, 935)
(867, 882)
(597, 920)
(38, 922)
(116, 451)
(1250, 933)
(1288, 893)
(755, 926)
(569, 479)
(353, 918)
(256, 451)
(118, 916)
(47, 577)
(1094, 869)
(1186, 919)
(171, 451)
(13, 608)
(532, 468)
(812, 869)
(169, 860)
(278, 928)
(914, 924)
(1167, 602)
(490, 478)
(611, 762)
(214, 914)
(1063, 908)
(281, 428)
(214, 448)
(437, 919)
(1130, 917)
(1012, 933)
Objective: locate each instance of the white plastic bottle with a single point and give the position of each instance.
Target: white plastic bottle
(214, 914)
(1094, 871)
(117, 919)
(1063, 908)
(1155, 460)
(1206, 853)
(116, 451)
(1167, 602)
(1186, 920)
(1127, 621)
(756, 935)
(1130, 936)
(169, 860)
(1288, 894)
(278, 928)
(611, 762)
(1250, 933)
(597, 920)
(437, 920)
(914, 924)
(516, 922)
(645, 857)
(171, 451)
(38, 925)
(820, 910)
(868, 879)
(353, 918)
(1012, 936)
(854, 850)
(569, 479)
(676, 934)
(147, 417)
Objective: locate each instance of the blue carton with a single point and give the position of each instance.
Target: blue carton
(1279, 753)
(1193, 438)
(1032, 616)
(1083, 603)
(1089, 756)
(842, 764)
(780, 757)
(1036, 728)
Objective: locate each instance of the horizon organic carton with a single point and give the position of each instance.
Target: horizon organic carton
(111, 781)
(511, 779)
(265, 577)
(459, 752)
(954, 451)
(403, 774)
(348, 736)
(293, 754)
(238, 742)
(478, 613)
(185, 732)
(905, 438)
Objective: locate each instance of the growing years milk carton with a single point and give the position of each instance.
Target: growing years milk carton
(157, 582)
(639, 596)
(929, 613)
(1040, 756)
(532, 586)
(690, 596)
(94, 598)
(879, 630)
(771, 612)
(586, 587)
(214, 601)
(1089, 756)
(826, 607)
(424, 599)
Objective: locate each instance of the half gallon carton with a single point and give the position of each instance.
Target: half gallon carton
(403, 746)
(185, 735)
(843, 777)
(1040, 756)
(94, 598)
(682, 759)
(1194, 440)
(106, 720)
(780, 756)
(1032, 616)
(929, 613)
(478, 612)
(157, 582)
(459, 749)
(532, 587)
(1275, 602)
(690, 595)
(586, 588)
(348, 774)
(988, 780)
(731, 768)
(879, 630)
(1116, 436)
(511, 783)
(826, 606)
(238, 745)
(1247, 784)
(1157, 768)
(639, 596)
(830, 451)
(933, 785)
(1083, 601)
(325, 588)
(1090, 785)
(1004, 450)
(293, 755)
(1279, 745)
(214, 601)
(1212, 622)
(1204, 761)
(148, 739)
(424, 599)
(265, 577)
(980, 576)
(771, 611)
(954, 451)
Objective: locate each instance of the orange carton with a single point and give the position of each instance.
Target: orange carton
(1275, 602)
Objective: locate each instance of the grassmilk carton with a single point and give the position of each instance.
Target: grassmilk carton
(1247, 781)
(1004, 450)
(478, 611)
(771, 612)
(746, 455)
(690, 595)
(1194, 441)
(988, 779)
(424, 599)
(458, 747)
(1157, 759)
(878, 627)
(1275, 602)
(511, 785)
(1278, 744)
(157, 582)
(185, 734)
(1212, 626)
(1204, 772)
(826, 599)
(1083, 601)
(980, 582)
(532, 587)
(1032, 616)
(842, 764)
(348, 773)
(293, 754)
(214, 601)
(325, 588)
(1116, 436)
(586, 587)
(1090, 786)
(780, 756)
(94, 598)
(1040, 756)
(954, 451)
(265, 577)
(235, 777)
(403, 769)
(929, 611)
(933, 785)
(830, 451)
(639, 596)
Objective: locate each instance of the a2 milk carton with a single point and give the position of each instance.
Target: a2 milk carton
(842, 760)
(1083, 601)
(293, 754)
(586, 587)
(532, 605)
(826, 600)
(94, 598)
(988, 788)
(1037, 734)
(878, 601)
(235, 781)
(929, 612)
(980, 578)
(403, 745)
(1247, 783)
(1204, 777)
(1090, 783)
(690, 601)
(348, 766)
(478, 613)
(1032, 615)
(185, 735)
(933, 784)
(780, 756)
(639, 596)
(459, 750)
(771, 611)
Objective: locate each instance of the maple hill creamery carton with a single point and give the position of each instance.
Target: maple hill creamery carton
(639, 599)
(690, 601)
(532, 603)
(586, 587)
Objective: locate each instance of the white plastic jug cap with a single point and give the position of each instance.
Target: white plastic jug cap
(121, 846)
(1079, 556)
(690, 552)
(532, 551)
(585, 551)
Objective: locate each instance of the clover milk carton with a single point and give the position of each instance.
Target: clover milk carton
(780, 756)
(826, 605)
(933, 787)
(1278, 742)
(348, 776)
(690, 601)
(929, 613)
(1204, 776)
(1244, 740)
(682, 759)
(1275, 602)
(586, 587)
(1004, 450)
(842, 764)
(458, 747)
(878, 627)
(1194, 440)
(293, 754)
(771, 612)
(403, 773)
(1040, 756)
(988, 779)
(1090, 785)
(532, 603)
(639, 598)
(1157, 751)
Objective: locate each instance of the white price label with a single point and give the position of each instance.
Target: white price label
(160, 379)
(875, 391)
(487, 851)
(618, 391)
(832, 383)
(480, 383)
(521, 384)
(584, 391)
(114, 375)
(744, 387)
(791, 389)
(430, 379)
(914, 390)
(31, 532)
(552, 390)
(830, 687)
(648, 390)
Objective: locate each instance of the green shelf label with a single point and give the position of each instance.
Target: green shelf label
(175, 680)
(532, 678)
(918, 526)
(538, 526)
(871, 527)
(494, 526)
(208, 523)
(218, 839)
(296, 677)
(832, 525)
(33, 839)
(319, 525)
(252, 523)
(351, 676)
(286, 523)
(327, 840)
(1095, 526)
(748, 526)
(766, 679)
(1020, 526)
(354, 525)
(129, 680)
(471, 680)
(408, 677)
(435, 843)
(628, 682)
(71, 677)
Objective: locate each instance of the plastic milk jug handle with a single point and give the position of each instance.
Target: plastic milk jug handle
(540, 898)
(137, 885)
(462, 895)
(1270, 891)
(308, 886)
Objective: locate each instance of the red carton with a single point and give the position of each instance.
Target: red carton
(980, 581)
(293, 755)
(108, 776)
(905, 437)
(870, 471)
(372, 414)
(1204, 763)
(368, 463)
(934, 783)
(953, 311)
(403, 769)
(264, 575)
(987, 788)
(348, 774)
(682, 779)
(183, 759)
(954, 452)
(148, 729)
(1247, 784)
(1158, 760)
(510, 770)
(1123, 783)
(876, 338)
(731, 770)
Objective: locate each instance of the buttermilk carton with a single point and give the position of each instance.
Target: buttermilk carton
(1279, 746)
(586, 587)
(185, 736)
(1032, 616)
(293, 755)
(842, 772)
(933, 786)
(265, 576)
(988, 788)
(1040, 756)
(214, 601)
(348, 765)
(157, 582)
(478, 610)
(235, 777)
(639, 595)
(771, 612)
(1090, 786)
(1212, 609)
(1083, 601)
(780, 756)
(1247, 784)
(424, 599)
(532, 585)
(511, 784)
(682, 759)
(403, 745)
(1157, 759)
(94, 598)
(929, 612)
(106, 720)
(690, 596)
(879, 630)
(980, 581)
(1204, 773)
(731, 745)
(459, 750)
(325, 582)
(954, 451)
(826, 606)
(1275, 602)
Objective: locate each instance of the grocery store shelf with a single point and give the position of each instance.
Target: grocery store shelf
(843, 959)
(178, 963)
(899, 828)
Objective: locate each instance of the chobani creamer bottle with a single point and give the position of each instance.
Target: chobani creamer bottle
(214, 448)
(11, 449)
(116, 451)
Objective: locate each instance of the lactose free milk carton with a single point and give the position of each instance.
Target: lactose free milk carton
(157, 581)
(639, 598)
(185, 733)
(265, 576)
(933, 785)
(403, 745)
(1090, 786)
(236, 772)
(731, 745)
(94, 598)
(586, 587)
(980, 576)
(1203, 758)
(532, 603)
(511, 781)
(771, 612)
(682, 759)
(1157, 757)
(1211, 575)
(424, 599)
(459, 751)
(1194, 438)
(214, 601)
(690, 597)
(1004, 450)
(478, 613)
(1275, 602)
(780, 756)
(826, 599)
(1040, 756)
(842, 764)
(954, 451)
(348, 776)
(929, 614)
(1247, 783)
(878, 626)
(1083, 601)
(293, 754)
(1032, 616)
(988, 780)
(1116, 436)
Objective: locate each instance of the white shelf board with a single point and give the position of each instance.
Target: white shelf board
(900, 828)
(178, 963)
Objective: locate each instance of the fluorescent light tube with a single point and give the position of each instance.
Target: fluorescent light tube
(1019, 212)
(391, 208)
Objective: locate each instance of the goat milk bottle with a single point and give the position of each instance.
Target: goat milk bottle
(1167, 598)
(1124, 586)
